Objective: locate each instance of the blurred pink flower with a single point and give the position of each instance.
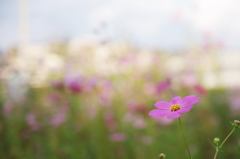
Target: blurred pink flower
(58, 119)
(137, 108)
(235, 105)
(90, 84)
(175, 108)
(75, 83)
(117, 137)
(110, 121)
(32, 122)
(200, 89)
(163, 86)
(129, 58)
(189, 79)
(106, 93)
(140, 123)
(149, 88)
(53, 97)
(105, 98)
(206, 46)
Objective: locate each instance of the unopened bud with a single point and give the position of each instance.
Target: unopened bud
(216, 140)
(237, 122)
(162, 156)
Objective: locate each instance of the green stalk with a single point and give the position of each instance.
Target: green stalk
(184, 138)
(218, 148)
(227, 137)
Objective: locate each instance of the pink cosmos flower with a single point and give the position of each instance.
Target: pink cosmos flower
(175, 108)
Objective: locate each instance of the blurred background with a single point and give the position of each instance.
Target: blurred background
(78, 78)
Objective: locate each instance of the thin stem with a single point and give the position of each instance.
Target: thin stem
(215, 156)
(227, 137)
(184, 138)
(218, 148)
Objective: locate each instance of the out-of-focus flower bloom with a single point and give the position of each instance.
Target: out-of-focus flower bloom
(149, 88)
(137, 108)
(175, 108)
(110, 121)
(129, 58)
(106, 93)
(189, 79)
(140, 123)
(32, 122)
(117, 137)
(207, 46)
(60, 117)
(53, 97)
(235, 104)
(90, 84)
(75, 83)
(162, 86)
(200, 89)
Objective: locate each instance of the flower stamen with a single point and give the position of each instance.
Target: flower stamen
(175, 107)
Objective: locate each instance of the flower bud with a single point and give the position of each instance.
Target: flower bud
(236, 123)
(216, 140)
(162, 156)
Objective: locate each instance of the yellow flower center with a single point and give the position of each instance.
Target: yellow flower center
(175, 107)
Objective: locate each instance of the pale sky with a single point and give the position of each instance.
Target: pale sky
(164, 24)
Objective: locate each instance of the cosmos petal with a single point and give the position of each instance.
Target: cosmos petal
(185, 109)
(158, 113)
(176, 100)
(162, 105)
(189, 100)
(175, 114)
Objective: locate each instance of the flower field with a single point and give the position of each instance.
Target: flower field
(92, 101)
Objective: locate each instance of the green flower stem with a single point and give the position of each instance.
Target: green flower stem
(218, 148)
(216, 153)
(184, 138)
(227, 137)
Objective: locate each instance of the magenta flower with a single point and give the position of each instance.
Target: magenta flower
(175, 108)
